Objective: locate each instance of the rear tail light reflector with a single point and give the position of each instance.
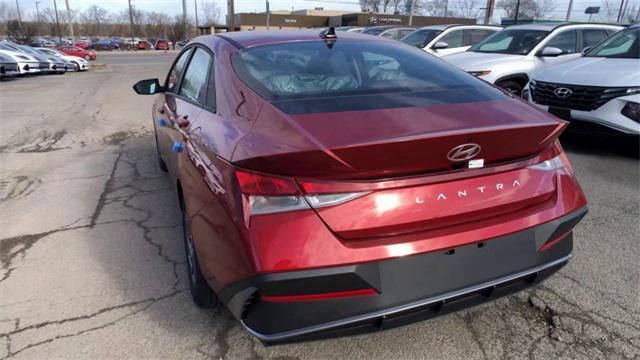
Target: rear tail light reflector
(320, 296)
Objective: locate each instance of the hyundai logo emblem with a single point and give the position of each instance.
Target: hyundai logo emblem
(464, 152)
(562, 92)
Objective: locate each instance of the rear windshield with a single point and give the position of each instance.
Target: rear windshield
(623, 45)
(354, 75)
(515, 42)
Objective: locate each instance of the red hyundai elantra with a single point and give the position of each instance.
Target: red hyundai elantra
(333, 185)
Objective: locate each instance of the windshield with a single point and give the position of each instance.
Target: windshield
(312, 69)
(515, 42)
(623, 45)
(420, 38)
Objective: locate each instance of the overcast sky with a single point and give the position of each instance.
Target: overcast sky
(175, 6)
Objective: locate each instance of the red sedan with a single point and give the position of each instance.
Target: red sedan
(82, 44)
(337, 184)
(76, 51)
(162, 44)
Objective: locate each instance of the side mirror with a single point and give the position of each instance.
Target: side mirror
(586, 50)
(440, 45)
(148, 87)
(551, 51)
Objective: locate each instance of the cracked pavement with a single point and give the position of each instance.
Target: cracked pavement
(92, 259)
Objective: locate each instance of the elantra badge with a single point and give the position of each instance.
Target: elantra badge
(464, 152)
(562, 92)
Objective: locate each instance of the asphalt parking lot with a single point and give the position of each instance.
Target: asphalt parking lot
(92, 263)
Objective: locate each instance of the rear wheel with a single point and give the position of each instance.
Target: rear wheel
(511, 86)
(201, 293)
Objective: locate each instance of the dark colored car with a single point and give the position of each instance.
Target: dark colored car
(76, 51)
(332, 185)
(162, 44)
(102, 45)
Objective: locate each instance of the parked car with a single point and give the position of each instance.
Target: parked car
(77, 63)
(42, 42)
(26, 64)
(441, 40)
(82, 44)
(350, 28)
(8, 66)
(183, 42)
(115, 43)
(602, 87)
(102, 45)
(144, 45)
(56, 65)
(76, 51)
(509, 57)
(316, 199)
(161, 44)
(44, 65)
(397, 33)
(377, 30)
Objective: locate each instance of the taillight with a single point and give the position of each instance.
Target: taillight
(268, 194)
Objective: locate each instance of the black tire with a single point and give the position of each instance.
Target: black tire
(512, 87)
(201, 293)
(76, 66)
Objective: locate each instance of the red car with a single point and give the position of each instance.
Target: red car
(82, 44)
(144, 45)
(332, 185)
(162, 45)
(76, 51)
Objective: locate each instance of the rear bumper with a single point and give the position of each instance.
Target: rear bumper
(408, 289)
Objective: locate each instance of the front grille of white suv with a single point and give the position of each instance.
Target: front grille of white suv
(584, 98)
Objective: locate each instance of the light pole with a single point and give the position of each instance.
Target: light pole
(38, 16)
(55, 8)
(515, 19)
(195, 5)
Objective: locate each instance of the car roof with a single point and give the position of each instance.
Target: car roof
(554, 25)
(448, 26)
(242, 39)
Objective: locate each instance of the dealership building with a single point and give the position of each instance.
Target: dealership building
(309, 18)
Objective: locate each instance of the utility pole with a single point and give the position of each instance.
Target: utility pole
(184, 17)
(231, 16)
(620, 12)
(195, 4)
(515, 19)
(638, 16)
(70, 20)
(411, 12)
(38, 16)
(131, 23)
(267, 4)
(569, 11)
(624, 11)
(55, 8)
(19, 16)
(446, 7)
(488, 14)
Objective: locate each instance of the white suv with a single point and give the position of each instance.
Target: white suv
(441, 40)
(510, 57)
(602, 87)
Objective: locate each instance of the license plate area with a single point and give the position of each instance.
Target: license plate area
(562, 113)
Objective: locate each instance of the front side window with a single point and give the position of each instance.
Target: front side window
(176, 71)
(194, 84)
(623, 45)
(515, 42)
(353, 75)
(565, 41)
(454, 39)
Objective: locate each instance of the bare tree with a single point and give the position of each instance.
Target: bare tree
(177, 30)
(155, 24)
(542, 8)
(7, 13)
(469, 8)
(94, 18)
(528, 8)
(210, 12)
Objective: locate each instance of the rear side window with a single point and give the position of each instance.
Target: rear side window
(474, 36)
(591, 37)
(565, 41)
(176, 71)
(353, 75)
(454, 39)
(194, 84)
